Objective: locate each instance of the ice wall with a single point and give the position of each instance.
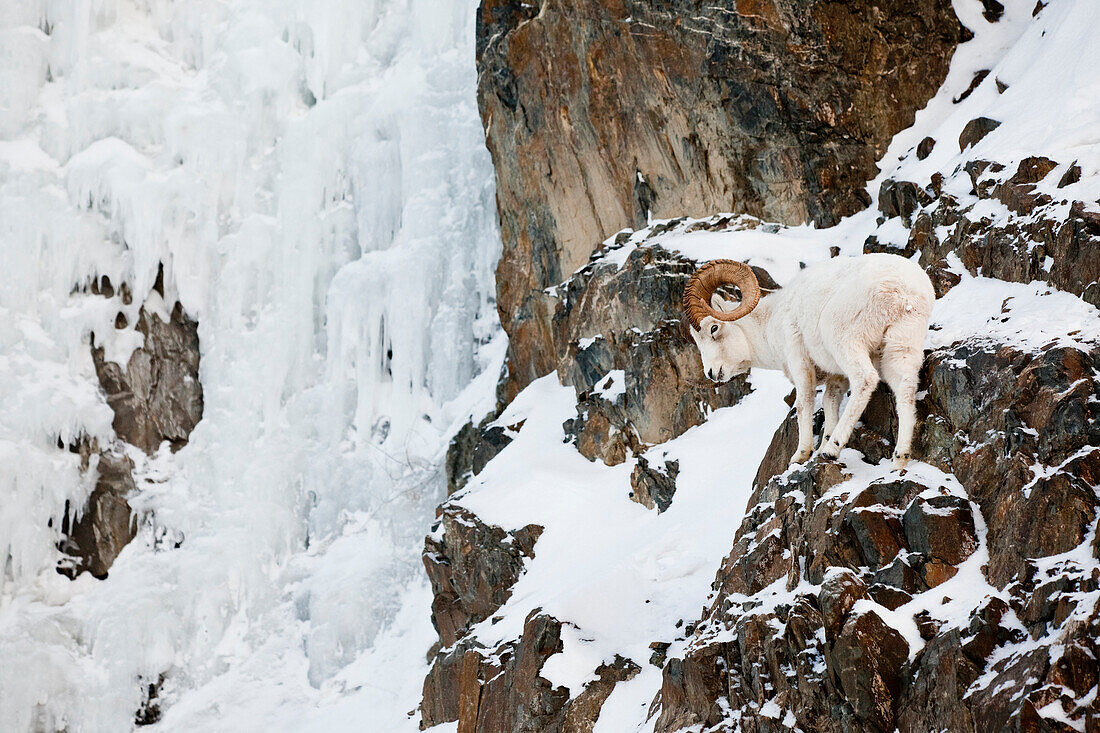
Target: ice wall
(312, 177)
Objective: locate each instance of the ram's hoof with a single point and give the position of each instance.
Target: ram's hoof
(831, 449)
(801, 457)
(901, 460)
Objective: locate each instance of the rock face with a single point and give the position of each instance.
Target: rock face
(1021, 433)
(600, 113)
(609, 318)
(156, 398)
(472, 568)
(1016, 434)
(501, 690)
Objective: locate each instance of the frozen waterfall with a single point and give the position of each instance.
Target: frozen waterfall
(311, 176)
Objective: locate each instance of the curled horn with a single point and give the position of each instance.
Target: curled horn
(710, 277)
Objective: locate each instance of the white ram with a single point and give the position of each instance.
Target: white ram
(847, 321)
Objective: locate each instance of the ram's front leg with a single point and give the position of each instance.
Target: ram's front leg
(805, 388)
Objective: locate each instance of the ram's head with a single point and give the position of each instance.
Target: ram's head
(708, 316)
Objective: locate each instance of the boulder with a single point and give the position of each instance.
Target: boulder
(942, 527)
(975, 130)
(868, 659)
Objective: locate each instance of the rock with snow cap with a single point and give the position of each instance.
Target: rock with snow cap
(868, 658)
(942, 527)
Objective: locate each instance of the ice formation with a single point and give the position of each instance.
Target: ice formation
(313, 180)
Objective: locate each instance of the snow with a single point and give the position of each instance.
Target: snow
(620, 574)
(780, 250)
(586, 343)
(313, 179)
(612, 386)
(1028, 316)
(1051, 106)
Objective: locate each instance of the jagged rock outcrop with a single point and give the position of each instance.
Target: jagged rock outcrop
(489, 691)
(106, 525)
(1016, 432)
(613, 317)
(1021, 433)
(1042, 236)
(157, 397)
(472, 567)
(601, 113)
(472, 449)
(962, 595)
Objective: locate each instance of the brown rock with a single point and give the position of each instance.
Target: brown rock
(943, 527)
(934, 699)
(879, 533)
(472, 567)
(992, 10)
(868, 659)
(840, 591)
(1070, 177)
(978, 78)
(888, 597)
(158, 397)
(975, 130)
(924, 148)
(503, 690)
(584, 709)
(472, 449)
(904, 574)
(652, 487)
(106, 525)
(626, 318)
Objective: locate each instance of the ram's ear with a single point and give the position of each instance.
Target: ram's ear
(685, 330)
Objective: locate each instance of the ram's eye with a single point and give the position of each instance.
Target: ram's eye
(714, 330)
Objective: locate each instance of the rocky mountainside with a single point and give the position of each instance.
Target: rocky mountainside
(601, 114)
(624, 547)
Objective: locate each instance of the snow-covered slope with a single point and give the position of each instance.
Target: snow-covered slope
(313, 181)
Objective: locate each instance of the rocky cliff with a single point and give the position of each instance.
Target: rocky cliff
(602, 114)
(589, 571)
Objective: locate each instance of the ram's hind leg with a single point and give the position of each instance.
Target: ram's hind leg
(863, 378)
(835, 387)
(901, 363)
(805, 389)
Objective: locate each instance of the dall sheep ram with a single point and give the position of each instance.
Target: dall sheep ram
(847, 321)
